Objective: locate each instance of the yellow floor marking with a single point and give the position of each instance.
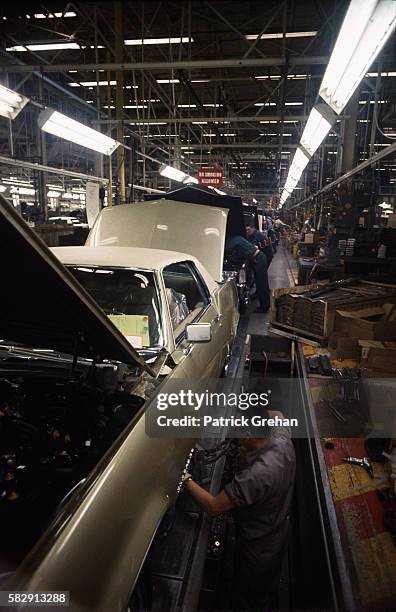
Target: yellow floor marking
(375, 563)
(345, 480)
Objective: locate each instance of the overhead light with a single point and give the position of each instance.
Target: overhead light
(147, 123)
(186, 106)
(53, 194)
(200, 80)
(211, 105)
(265, 104)
(168, 81)
(56, 46)
(385, 205)
(300, 160)
(22, 191)
(134, 106)
(280, 35)
(62, 126)
(383, 74)
(294, 103)
(373, 102)
(11, 102)
(316, 129)
(365, 29)
(191, 180)
(174, 40)
(52, 15)
(291, 182)
(199, 122)
(92, 83)
(228, 134)
(172, 173)
(274, 77)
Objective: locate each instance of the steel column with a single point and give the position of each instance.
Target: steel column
(119, 49)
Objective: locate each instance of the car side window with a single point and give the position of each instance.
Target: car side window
(186, 293)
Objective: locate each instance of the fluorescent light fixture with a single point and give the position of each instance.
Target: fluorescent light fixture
(200, 80)
(265, 104)
(316, 129)
(385, 205)
(62, 126)
(211, 105)
(190, 180)
(261, 77)
(11, 102)
(174, 40)
(172, 173)
(281, 35)
(199, 122)
(293, 103)
(291, 182)
(168, 81)
(128, 106)
(366, 28)
(52, 15)
(92, 83)
(146, 123)
(53, 194)
(383, 74)
(22, 191)
(300, 161)
(56, 46)
(228, 134)
(186, 106)
(373, 102)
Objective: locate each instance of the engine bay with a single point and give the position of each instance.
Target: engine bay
(55, 426)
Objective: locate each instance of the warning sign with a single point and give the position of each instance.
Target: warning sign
(211, 176)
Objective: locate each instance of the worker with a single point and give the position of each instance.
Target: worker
(261, 241)
(238, 249)
(260, 496)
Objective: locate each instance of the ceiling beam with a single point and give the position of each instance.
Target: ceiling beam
(173, 65)
(189, 120)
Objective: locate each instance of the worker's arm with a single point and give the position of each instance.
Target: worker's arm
(212, 504)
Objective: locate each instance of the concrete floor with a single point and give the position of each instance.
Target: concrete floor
(279, 275)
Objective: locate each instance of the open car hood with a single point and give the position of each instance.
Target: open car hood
(193, 229)
(43, 305)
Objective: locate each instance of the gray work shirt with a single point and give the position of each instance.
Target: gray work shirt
(262, 491)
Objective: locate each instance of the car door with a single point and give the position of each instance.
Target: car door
(189, 301)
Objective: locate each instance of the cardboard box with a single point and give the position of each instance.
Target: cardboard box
(368, 323)
(378, 355)
(391, 221)
(344, 347)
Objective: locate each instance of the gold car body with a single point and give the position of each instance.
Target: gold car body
(97, 544)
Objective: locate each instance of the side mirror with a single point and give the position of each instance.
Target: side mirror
(199, 332)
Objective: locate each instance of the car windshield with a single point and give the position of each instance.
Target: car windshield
(129, 298)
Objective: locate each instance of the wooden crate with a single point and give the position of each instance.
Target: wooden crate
(341, 298)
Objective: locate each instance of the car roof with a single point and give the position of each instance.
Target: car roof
(128, 257)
